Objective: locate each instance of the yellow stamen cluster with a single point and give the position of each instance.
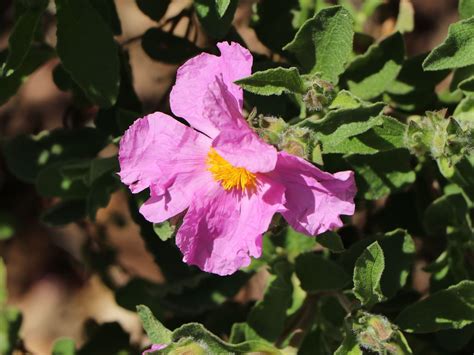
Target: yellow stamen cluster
(228, 175)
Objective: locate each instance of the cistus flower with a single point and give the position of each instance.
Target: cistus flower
(227, 179)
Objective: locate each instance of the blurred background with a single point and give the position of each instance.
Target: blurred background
(47, 274)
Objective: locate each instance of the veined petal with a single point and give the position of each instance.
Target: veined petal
(194, 77)
(222, 229)
(159, 152)
(314, 199)
(243, 148)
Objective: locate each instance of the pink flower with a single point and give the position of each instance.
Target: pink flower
(153, 348)
(228, 179)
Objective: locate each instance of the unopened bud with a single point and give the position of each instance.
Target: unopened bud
(297, 141)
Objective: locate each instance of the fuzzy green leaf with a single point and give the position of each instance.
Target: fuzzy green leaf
(399, 251)
(379, 174)
(193, 338)
(324, 43)
(368, 274)
(341, 124)
(274, 81)
(389, 135)
(456, 51)
(466, 8)
(156, 331)
(372, 73)
(268, 316)
(318, 273)
(332, 241)
(452, 308)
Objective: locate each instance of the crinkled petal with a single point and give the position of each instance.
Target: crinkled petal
(194, 77)
(314, 199)
(243, 148)
(222, 229)
(160, 153)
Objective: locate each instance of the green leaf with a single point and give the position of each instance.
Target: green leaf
(274, 26)
(108, 11)
(372, 73)
(466, 8)
(193, 338)
(64, 212)
(456, 51)
(268, 316)
(222, 6)
(64, 346)
(448, 212)
(368, 274)
(3, 283)
(22, 36)
(406, 17)
(156, 331)
(399, 251)
(332, 241)
(87, 50)
(467, 85)
(164, 230)
(340, 124)
(27, 155)
(452, 308)
(414, 89)
(464, 112)
(324, 43)
(384, 137)
(318, 273)
(345, 99)
(464, 176)
(215, 22)
(349, 346)
(7, 227)
(383, 173)
(37, 56)
(10, 323)
(154, 9)
(66, 180)
(100, 193)
(166, 47)
(274, 81)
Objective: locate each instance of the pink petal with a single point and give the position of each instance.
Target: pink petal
(314, 199)
(195, 76)
(159, 152)
(243, 148)
(154, 347)
(222, 229)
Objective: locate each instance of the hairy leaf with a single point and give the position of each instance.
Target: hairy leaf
(274, 81)
(268, 316)
(452, 308)
(372, 73)
(456, 51)
(318, 273)
(368, 274)
(324, 43)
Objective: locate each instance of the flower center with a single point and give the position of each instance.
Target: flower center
(228, 175)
